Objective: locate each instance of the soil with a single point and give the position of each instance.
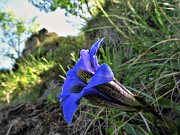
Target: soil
(41, 119)
(31, 118)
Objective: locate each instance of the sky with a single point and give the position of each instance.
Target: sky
(53, 21)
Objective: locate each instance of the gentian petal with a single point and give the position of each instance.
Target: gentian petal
(103, 75)
(71, 74)
(94, 49)
(95, 62)
(71, 103)
(84, 62)
(71, 81)
(69, 106)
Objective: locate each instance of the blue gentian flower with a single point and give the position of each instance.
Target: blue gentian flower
(95, 82)
(81, 80)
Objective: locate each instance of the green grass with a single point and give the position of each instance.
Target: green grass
(147, 62)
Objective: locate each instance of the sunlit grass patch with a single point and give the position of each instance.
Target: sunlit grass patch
(35, 70)
(21, 82)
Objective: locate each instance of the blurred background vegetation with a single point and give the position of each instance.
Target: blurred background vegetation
(142, 46)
